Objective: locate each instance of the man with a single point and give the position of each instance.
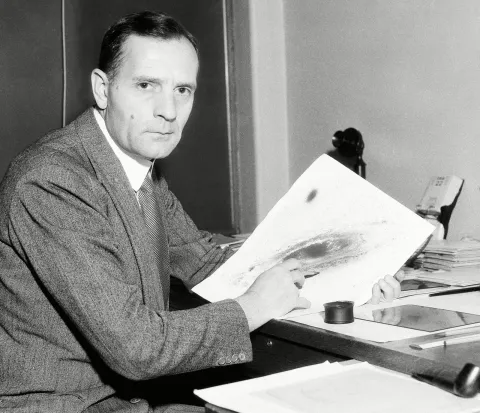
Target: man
(83, 273)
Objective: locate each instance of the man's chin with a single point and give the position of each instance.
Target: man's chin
(162, 150)
(162, 153)
(154, 150)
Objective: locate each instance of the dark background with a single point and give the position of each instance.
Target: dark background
(198, 171)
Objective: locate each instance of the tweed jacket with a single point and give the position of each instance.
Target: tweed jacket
(82, 318)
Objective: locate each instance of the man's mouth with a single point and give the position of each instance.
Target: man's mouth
(160, 132)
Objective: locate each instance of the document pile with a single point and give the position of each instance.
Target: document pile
(456, 277)
(234, 242)
(447, 255)
(334, 388)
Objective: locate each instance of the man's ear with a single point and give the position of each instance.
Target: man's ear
(100, 88)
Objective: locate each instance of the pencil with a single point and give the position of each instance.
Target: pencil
(469, 329)
(447, 341)
(456, 291)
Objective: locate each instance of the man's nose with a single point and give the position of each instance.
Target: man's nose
(166, 106)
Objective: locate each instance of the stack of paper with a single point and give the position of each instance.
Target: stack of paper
(234, 242)
(446, 255)
(333, 388)
(458, 277)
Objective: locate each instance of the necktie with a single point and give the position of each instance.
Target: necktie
(156, 232)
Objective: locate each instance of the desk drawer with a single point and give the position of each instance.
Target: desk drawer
(272, 355)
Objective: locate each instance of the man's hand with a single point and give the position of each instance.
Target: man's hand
(387, 289)
(273, 294)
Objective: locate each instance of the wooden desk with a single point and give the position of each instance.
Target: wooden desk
(397, 355)
(283, 344)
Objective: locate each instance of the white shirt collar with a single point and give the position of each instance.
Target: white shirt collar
(135, 169)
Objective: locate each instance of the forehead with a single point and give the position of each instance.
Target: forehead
(153, 56)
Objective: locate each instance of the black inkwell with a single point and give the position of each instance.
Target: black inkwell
(339, 312)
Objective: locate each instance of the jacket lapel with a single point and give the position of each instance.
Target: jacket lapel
(113, 177)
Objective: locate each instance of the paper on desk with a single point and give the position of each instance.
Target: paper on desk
(332, 388)
(382, 333)
(338, 225)
(362, 329)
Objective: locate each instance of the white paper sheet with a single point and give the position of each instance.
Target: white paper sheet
(332, 388)
(381, 333)
(337, 224)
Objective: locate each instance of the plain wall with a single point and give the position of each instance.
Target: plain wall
(30, 74)
(406, 73)
(269, 92)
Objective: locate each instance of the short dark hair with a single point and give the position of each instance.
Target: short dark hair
(147, 24)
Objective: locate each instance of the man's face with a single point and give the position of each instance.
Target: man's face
(151, 97)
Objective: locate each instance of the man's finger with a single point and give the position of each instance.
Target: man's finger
(302, 302)
(394, 284)
(376, 294)
(388, 291)
(291, 264)
(298, 278)
(400, 275)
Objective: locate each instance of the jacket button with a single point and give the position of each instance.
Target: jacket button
(221, 361)
(234, 358)
(242, 356)
(135, 400)
(229, 360)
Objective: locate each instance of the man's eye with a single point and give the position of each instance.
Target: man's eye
(143, 85)
(183, 91)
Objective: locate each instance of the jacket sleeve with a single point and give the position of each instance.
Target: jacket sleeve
(59, 225)
(193, 253)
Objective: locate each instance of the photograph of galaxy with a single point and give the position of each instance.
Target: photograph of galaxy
(346, 233)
